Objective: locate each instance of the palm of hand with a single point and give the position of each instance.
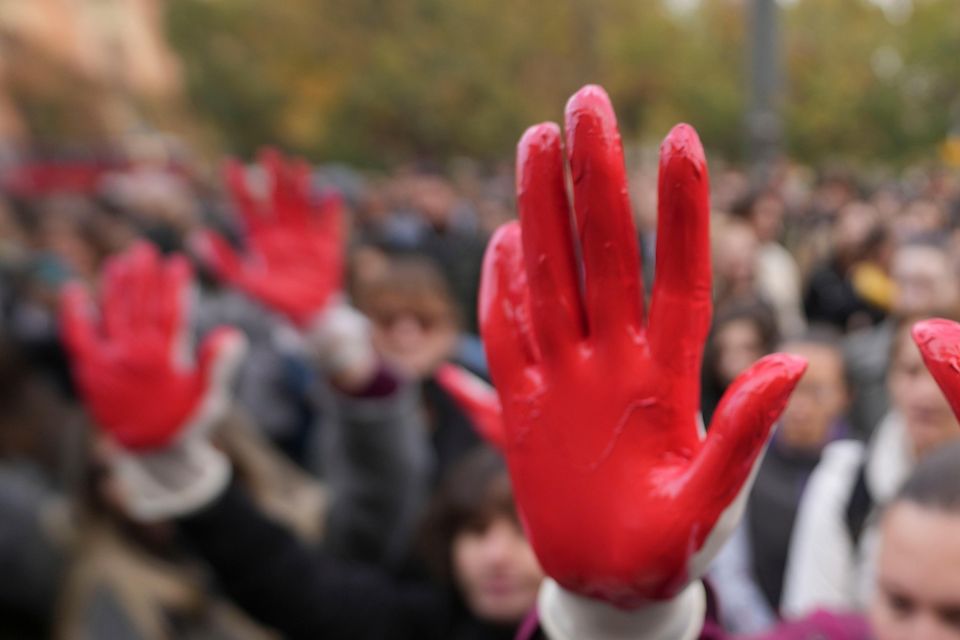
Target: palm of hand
(618, 488)
(295, 253)
(134, 365)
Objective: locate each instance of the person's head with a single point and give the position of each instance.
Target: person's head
(735, 248)
(414, 316)
(742, 334)
(925, 279)
(820, 398)
(854, 223)
(474, 542)
(764, 211)
(920, 217)
(915, 395)
(917, 590)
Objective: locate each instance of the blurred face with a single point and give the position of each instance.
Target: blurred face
(924, 279)
(735, 258)
(739, 345)
(767, 216)
(915, 394)
(854, 223)
(413, 335)
(918, 575)
(818, 401)
(496, 571)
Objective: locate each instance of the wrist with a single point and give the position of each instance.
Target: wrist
(173, 482)
(565, 615)
(339, 341)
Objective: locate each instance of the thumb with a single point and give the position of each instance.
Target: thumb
(741, 426)
(214, 250)
(939, 344)
(477, 399)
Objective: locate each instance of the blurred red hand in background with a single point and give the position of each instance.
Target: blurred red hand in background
(294, 256)
(134, 363)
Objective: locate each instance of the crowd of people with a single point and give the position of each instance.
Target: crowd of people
(348, 478)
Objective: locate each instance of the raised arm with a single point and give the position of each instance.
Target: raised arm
(623, 496)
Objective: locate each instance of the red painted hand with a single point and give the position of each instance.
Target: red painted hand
(622, 496)
(939, 344)
(134, 365)
(477, 399)
(294, 261)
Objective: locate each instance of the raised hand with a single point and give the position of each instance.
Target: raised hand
(294, 259)
(622, 495)
(939, 344)
(134, 362)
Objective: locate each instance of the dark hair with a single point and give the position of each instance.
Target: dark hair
(755, 311)
(743, 207)
(935, 482)
(761, 316)
(474, 492)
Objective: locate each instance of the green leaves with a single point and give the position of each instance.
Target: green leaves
(377, 83)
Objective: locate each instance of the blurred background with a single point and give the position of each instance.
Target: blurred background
(375, 83)
(832, 130)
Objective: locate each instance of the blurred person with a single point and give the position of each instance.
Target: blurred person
(920, 218)
(835, 189)
(415, 319)
(157, 474)
(491, 577)
(735, 257)
(924, 277)
(275, 381)
(415, 325)
(132, 579)
(474, 543)
(918, 563)
(153, 192)
(435, 222)
(486, 575)
(292, 264)
(748, 573)
(830, 296)
(870, 273)
(832, 557)
(777, 273)
(741, 334)
(888, 201)
(924, 282)
(728, 187)
(36, 530)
